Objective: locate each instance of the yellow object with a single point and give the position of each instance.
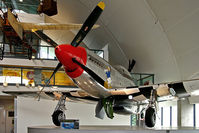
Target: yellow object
(101, 5)
(63, 79)
(46, 75)
(30, 82)
(33, 30)
(106, 85)
(52, 26)
(11, 72)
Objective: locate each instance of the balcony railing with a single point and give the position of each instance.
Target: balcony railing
(42, 52)
(143, 78)
(38, 76)
(33, 76)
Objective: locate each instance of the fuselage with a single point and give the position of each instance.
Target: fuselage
(82, 79)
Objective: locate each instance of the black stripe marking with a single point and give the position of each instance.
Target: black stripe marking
(90, 21)
(146, 91)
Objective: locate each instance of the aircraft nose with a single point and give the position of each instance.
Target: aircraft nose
(62, 53)
(65, 53)
(58, 51)
(57, 48)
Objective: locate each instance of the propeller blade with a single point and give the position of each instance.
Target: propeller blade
(131, 65)
(88, 24)
(90, 72)
(45, 38)
(56, 69)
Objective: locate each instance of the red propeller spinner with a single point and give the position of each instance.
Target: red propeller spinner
(65, 53)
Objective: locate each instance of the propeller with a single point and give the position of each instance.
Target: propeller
(131, 65)
(86, 27)
(45, 38)
(59, 65)
(88, 24)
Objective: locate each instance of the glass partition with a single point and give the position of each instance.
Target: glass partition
(43, 53)
(51, 53)
(37, 76)
(142, 78)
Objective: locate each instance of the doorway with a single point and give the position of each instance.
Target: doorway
(6, 114)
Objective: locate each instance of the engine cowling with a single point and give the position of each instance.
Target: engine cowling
(123, 110)
(123, 105)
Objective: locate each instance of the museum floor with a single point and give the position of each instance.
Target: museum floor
(109, 129)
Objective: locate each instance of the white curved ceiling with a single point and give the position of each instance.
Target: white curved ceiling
(161, 35)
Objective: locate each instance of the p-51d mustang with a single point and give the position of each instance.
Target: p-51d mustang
(87, 71)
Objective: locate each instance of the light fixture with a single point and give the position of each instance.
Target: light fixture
(20, 0)
(130, 97)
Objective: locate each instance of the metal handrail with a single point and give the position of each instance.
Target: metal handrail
(139, 76)
(22, 69)
(38, 54)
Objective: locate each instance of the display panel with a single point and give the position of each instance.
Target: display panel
(11, 75)
(28, 76)
(62, 79)
(33, 77)
(45, 76)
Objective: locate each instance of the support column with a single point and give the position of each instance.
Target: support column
(185, 113)
(179, 122)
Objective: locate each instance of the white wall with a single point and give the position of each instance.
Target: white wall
(186, 114)
(33, 113)
(166, 114)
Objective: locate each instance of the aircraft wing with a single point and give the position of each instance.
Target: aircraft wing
(175, 90)
(19, 27)
(165, 91)
(51, 26)
(14, 23)
(74, 94)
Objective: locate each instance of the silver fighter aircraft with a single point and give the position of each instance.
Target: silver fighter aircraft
(112, 88)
